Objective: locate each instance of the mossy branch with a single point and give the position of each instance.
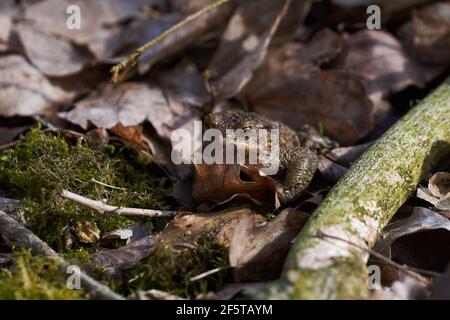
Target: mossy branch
(120, 70)
(362, 202)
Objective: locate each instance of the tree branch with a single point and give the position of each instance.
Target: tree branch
(362, 203)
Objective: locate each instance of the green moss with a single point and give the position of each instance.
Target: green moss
(170, 269)
(43, 164)
(33, 278)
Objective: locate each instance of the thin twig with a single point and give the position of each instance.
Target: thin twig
(106, 185)
(121, 69)
(103, 207)
(405, 269)
(207, 274)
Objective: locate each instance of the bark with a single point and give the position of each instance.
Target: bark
(16, 235)
(361, 203)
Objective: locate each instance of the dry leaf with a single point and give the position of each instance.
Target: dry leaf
(99, 18)
(129, 104)
(186, 36)
(438, 191)
(185, 226)
(25, 91)
(53, 55)
(244, 45)
(428, 33)
(379, 59)
(298, 95)
(219, 183)
(257, 252)
(131, 134)
(125, 257)
(422, 240)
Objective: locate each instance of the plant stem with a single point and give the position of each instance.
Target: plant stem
(121, 69)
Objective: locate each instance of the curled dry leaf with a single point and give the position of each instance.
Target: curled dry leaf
(439, 184)
(428, 33)
(25, 91)
(257, 253)
(219, 183)
(132, 135)
(438, 191)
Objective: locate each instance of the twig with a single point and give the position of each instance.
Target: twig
(16, 235)
(206, 274)
(103, 207)
(405, 269)
(106, 185)
(120, 70)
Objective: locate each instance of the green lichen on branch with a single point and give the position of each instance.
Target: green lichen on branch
(42, 164)
(362, 202)
(35, 278)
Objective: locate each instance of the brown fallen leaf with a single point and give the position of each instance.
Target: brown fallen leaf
(346, 155)
(54, 56)
(244, 45)
(220, 183)
(25, 91)
(257, 252)
(99, 18)
(331, 171)
(298, 96)
(187, 36)
(379, 59)
(129, 104)
(421, 240)
(132, 135)
(427, 35)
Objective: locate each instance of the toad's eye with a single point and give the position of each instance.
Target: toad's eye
(247, 126)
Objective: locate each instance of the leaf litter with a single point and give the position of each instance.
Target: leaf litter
(273, 58)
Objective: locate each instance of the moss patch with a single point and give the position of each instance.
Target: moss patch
(43, 164)
(33, 278)
(170, 269)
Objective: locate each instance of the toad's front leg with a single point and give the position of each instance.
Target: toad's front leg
(300, 164)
